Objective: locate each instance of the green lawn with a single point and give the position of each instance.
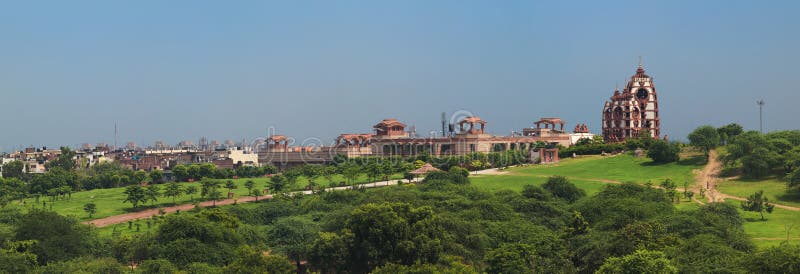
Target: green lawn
(772, 231)
(516, 181)
(774, 188)
(591, 173)
(109, 201)
(623, 168)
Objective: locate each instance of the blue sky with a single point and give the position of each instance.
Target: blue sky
(178, 70)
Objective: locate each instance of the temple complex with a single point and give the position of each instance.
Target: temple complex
(633, 111)
(391, 138)
(471, 137)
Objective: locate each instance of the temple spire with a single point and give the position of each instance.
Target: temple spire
(640, 61)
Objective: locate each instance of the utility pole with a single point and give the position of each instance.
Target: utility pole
(760, 104)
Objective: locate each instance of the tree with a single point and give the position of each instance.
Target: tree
(379, 229)
(86, 264)
(663, 152)
(206, 170)
(728, 132)
(173, 190)
(249, 260)
(292, 175)
(194, 172)
(255, 192)
(311, 172)
(292, 237)
(13, 260)
(156, 176)
(373, 171)
(776, 259)
(139, 176)
(794, 179)
(230, 186)
(191, 190)
(641, 261)
(249, 185)
(278, 183)
(181, 173)
(135, 194)
(670, 187)
(57, 237)
(759, 163)
(13, 169)
(157, 266)
(705, 137)
(211, 191)
(513, 258)
(757, 202)
(791, 159)
(52, 179)
(351, 172)
(562, 188)
(687, 193)
(152, 192)
(329, 251)
(459, 170)
(12, 189)
(328, 172)
(535, 192)
(90, 208)
(64, 161)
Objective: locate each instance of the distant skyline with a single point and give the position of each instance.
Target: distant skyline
(181, 70)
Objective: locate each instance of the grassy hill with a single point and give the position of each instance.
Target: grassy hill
(592, 173)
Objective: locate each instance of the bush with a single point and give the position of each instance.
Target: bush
(535, 192)
(459, 171)
(157, 266)
(560, 187)
(663, 152)
(446, 176)
(591, 149)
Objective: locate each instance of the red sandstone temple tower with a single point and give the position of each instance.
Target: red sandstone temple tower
(633, 111)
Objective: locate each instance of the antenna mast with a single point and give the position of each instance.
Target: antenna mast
(760, 104)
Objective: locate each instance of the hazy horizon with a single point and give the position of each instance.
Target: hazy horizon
(181, 70)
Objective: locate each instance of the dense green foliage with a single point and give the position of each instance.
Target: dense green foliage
(664, 152)
(761, 155)
(705, 137)
(442, 225)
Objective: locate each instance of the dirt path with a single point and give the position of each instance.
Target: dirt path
(116, 219)
(122, 218)
(708, 179)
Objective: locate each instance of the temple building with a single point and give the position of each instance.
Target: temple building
(390, 138)
(633, 111)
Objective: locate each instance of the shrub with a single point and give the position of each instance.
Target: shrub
(663, 152)
(560, 187)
